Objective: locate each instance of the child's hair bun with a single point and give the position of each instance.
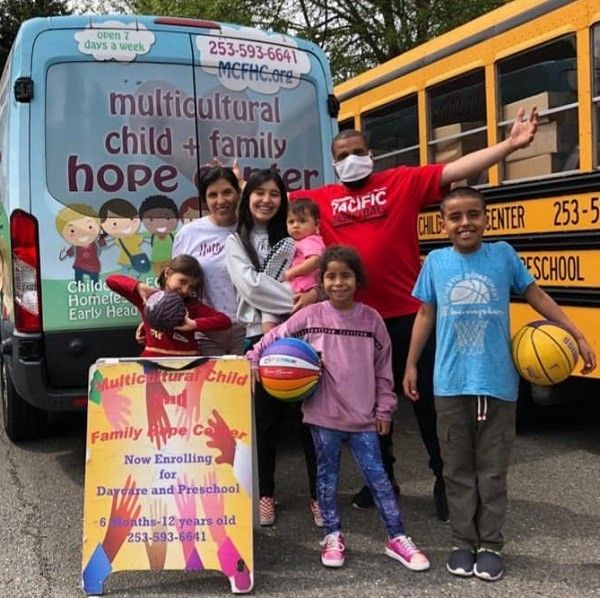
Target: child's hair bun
(164, 310)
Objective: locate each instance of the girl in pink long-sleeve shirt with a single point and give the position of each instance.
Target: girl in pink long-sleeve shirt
(354, 400)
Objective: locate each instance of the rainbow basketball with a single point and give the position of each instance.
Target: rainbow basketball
(289, 369)
(544, 352)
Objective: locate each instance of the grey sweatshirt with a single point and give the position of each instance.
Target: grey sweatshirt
(256, 292)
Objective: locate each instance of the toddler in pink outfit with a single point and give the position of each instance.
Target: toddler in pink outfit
(303, 226)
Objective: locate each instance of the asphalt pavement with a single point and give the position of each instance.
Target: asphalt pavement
(552, 529)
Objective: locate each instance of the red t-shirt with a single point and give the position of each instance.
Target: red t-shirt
(174, 343)
(379, 220)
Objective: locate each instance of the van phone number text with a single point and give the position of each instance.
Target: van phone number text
(252, 50)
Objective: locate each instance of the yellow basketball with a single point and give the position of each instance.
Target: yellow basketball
(544, 352)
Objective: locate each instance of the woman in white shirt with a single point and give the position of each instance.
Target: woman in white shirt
(204, 239)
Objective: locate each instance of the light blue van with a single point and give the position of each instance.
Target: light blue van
(97, 115)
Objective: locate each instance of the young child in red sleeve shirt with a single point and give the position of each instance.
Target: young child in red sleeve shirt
(182, 275)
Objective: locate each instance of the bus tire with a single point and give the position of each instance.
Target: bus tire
(22, 421)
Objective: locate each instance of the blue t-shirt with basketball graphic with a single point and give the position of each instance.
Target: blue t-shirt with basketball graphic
(471, 292)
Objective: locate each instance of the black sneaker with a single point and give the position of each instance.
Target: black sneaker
(439, 497)
(363, 499)
(461, 562)
(489, 565)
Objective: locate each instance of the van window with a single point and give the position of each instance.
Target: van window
(145, 133)
(262, 129)
(133, 126)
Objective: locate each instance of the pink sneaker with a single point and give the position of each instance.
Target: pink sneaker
(403, 549)
(316, 513)
(266, 510)
(332, 553)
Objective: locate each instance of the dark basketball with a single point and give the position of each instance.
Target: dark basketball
(164, 310)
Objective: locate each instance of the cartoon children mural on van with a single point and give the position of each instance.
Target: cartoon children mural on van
(120, 220)
(5, 270)
(190, 209)
(79, 225)
(159, 215)
(5, 287)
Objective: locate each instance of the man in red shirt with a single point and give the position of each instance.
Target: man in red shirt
(376, 213)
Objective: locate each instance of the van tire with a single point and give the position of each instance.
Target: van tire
(22, 421)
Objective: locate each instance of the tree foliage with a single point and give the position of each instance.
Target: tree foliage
(232, 11)
(14, 12)
(355, 34)
(359, 34)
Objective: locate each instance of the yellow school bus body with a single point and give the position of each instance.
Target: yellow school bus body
(459, 92)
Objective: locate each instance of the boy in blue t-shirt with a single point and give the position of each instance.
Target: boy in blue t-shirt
(465, 293)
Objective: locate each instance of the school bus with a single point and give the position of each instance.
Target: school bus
(106, 123)
(460, 92)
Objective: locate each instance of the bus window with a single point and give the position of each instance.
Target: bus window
(545, 77)
(347, 123)
(596, 92)
(457, 118)
(392, 133)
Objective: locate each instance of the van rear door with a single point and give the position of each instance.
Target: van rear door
(108, 126)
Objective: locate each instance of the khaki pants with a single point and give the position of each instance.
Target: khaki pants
(476, 455)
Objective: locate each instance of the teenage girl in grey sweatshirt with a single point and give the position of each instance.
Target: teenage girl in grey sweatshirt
(261, 224)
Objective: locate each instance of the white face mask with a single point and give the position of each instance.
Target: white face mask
(354, 168)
